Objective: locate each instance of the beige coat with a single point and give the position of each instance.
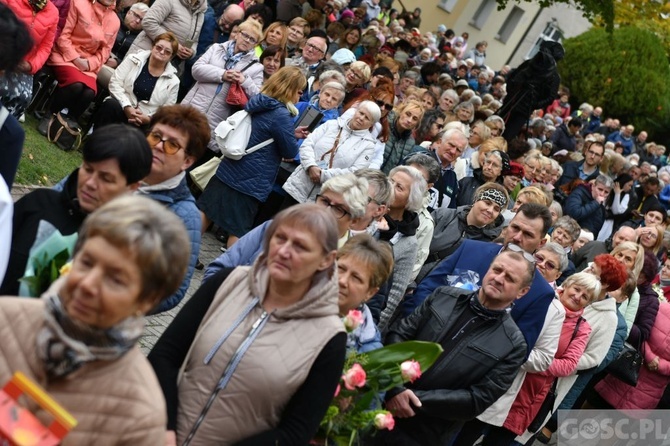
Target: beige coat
(115, 403)
(271, 371)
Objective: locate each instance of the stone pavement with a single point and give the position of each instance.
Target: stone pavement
(210, 249)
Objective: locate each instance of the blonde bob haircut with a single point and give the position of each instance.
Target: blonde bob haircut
(589, 282)
(252, 27)
(151, 235)
(285, 84)
(363, 69)
(284, 32)
(377, 257)
(535, 195)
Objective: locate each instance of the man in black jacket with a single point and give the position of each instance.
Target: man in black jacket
(483, 350)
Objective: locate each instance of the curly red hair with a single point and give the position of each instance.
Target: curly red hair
(613, 273)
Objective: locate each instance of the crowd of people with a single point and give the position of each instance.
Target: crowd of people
(446, 200)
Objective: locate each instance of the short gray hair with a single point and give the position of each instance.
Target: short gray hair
(380, 182)
(427, 162)
(588, 281)
(371, 108)
(453, 132)
(557, 249)
(333, 74)
(452, 94)
(417, 190)
(605, 181)
(139, 6)
(335, 86)
(354, 191)
(569, 225)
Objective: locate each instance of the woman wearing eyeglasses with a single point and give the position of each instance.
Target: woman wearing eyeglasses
(222, 65)
(142, 83)
(298, 29)
(551, 260)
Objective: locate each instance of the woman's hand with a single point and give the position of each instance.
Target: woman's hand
(81, 63)
(170, 438)
(233, 76)
(24, 67)
(314, 174)
(653, 365)
(184, 52)
(301, 132)
(617, 188)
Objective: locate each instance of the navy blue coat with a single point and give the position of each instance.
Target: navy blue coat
(528, 312)
(254, 174)
(581, 206)
(571, 172)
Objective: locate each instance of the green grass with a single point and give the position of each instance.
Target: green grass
(43, 163)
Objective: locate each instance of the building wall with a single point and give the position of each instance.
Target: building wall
(460, 20)
(567, 19)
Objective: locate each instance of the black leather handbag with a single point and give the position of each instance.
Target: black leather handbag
(626, 366)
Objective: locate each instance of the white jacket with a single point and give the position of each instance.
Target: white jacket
(122, 83)
(354, 151)
(539, 360)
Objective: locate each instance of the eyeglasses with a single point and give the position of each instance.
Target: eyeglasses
(592, 153)
(337, 210)
(163, 49)
(548, 264)
(516, 248)
(372, 200)
(136, 16)
(314, 48)
(247, 37)
(356, 74)
(384, 105)
(170, 146)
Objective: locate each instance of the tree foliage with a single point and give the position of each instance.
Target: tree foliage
(652, 15)
(626, 73)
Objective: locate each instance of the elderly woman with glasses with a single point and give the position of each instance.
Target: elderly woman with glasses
(495, 163)
(143, 82)
(225, 64)
(357, 75)
(298, 29)
(337, 147)
(551, 260)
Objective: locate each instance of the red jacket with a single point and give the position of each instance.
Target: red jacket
(650, 385)
(536, 386)
(42, 28)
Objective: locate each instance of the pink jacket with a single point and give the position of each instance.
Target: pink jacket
(650, 385)
(89, 32)
(536, 386)
(42, 28)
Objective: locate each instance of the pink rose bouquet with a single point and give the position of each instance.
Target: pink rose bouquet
(356, 409)
(353, 319)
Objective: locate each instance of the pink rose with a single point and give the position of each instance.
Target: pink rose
(354, 377)
(410, 370)
(384, 421)
(353, 319)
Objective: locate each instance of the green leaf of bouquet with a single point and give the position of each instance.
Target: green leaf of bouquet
(425, 353)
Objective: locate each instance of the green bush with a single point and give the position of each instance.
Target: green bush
(626, 73)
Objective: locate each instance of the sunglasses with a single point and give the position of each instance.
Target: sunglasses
(170, 147)
(518, 249)
(384, 105)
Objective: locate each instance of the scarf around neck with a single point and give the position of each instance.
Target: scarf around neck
(65, 345)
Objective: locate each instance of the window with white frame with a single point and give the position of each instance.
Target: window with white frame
(551, 32)
(510, 24)
(482, 14)
(448, 5)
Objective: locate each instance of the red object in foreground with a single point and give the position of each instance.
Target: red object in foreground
(19, 427)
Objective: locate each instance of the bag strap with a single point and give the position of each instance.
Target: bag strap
(258, 146)
(248, 65)
(333, 150)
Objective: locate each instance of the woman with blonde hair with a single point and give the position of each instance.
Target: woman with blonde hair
(298, 29)
(402, 121)
(233, 195)
(222, 65)
(489, 145)
(276, 34)
(357, 75)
